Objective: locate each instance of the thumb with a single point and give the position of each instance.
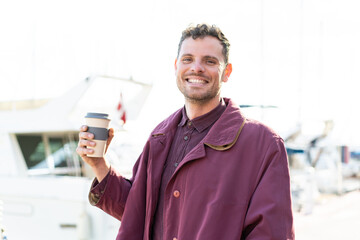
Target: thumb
(111, 136)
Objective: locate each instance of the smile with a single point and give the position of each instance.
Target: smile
(195, 80)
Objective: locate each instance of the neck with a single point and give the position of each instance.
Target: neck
(196, 109)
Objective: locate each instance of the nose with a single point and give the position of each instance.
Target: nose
(197, 67)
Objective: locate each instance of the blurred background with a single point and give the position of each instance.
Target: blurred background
(295, 68)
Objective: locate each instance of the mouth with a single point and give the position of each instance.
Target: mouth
(196, 80)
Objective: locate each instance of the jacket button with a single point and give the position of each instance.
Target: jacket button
(176, 194)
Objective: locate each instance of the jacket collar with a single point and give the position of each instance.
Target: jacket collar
(168, 125)
(226, 131)
(223, 134)
(204, 121)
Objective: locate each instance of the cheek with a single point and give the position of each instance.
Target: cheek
(219, 74)
(178, 75)
(222, 75)
(179, 70)
(220, 70)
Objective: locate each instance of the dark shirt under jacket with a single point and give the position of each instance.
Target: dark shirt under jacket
(188, 134)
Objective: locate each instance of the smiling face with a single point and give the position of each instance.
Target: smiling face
(200, 70)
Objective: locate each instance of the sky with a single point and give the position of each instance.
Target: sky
(302, 56)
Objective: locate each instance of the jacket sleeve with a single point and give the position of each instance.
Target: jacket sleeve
(269, 214)
(111, 193)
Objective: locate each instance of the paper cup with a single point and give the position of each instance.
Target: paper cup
(98, 124)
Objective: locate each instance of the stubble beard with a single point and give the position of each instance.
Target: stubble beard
(199, 98)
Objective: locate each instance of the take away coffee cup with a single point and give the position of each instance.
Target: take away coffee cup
(98, 124)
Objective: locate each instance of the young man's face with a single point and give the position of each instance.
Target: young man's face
(200, 69)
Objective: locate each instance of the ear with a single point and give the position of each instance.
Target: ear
(175, 65)
(227, 73)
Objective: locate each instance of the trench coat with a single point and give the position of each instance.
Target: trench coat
(233, 185)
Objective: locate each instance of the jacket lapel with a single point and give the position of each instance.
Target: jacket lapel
(160, 143)
(222, 136)
(197, 152)
(226, 131)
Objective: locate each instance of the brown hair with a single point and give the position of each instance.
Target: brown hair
(203, 30)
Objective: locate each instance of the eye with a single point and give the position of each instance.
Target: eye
(186, 60)
(211, 62)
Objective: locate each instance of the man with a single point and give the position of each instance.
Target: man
(205, 172)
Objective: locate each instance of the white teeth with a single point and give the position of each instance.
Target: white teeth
(191, 80)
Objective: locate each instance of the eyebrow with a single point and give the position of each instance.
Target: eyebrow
(187, 55)
(211, 57)
(206, 56)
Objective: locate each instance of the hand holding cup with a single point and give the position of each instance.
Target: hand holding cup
(94, 140)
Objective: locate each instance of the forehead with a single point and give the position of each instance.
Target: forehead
(200, 47)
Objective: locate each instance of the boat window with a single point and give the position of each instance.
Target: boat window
(58, 152)
(33, 149)
(50, 153)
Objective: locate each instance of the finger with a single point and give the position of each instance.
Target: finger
(86, 143)
(111, 136)
(83, 128)
(82, 152)
(86, 135)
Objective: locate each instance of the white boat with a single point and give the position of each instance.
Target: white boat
(43, 183)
